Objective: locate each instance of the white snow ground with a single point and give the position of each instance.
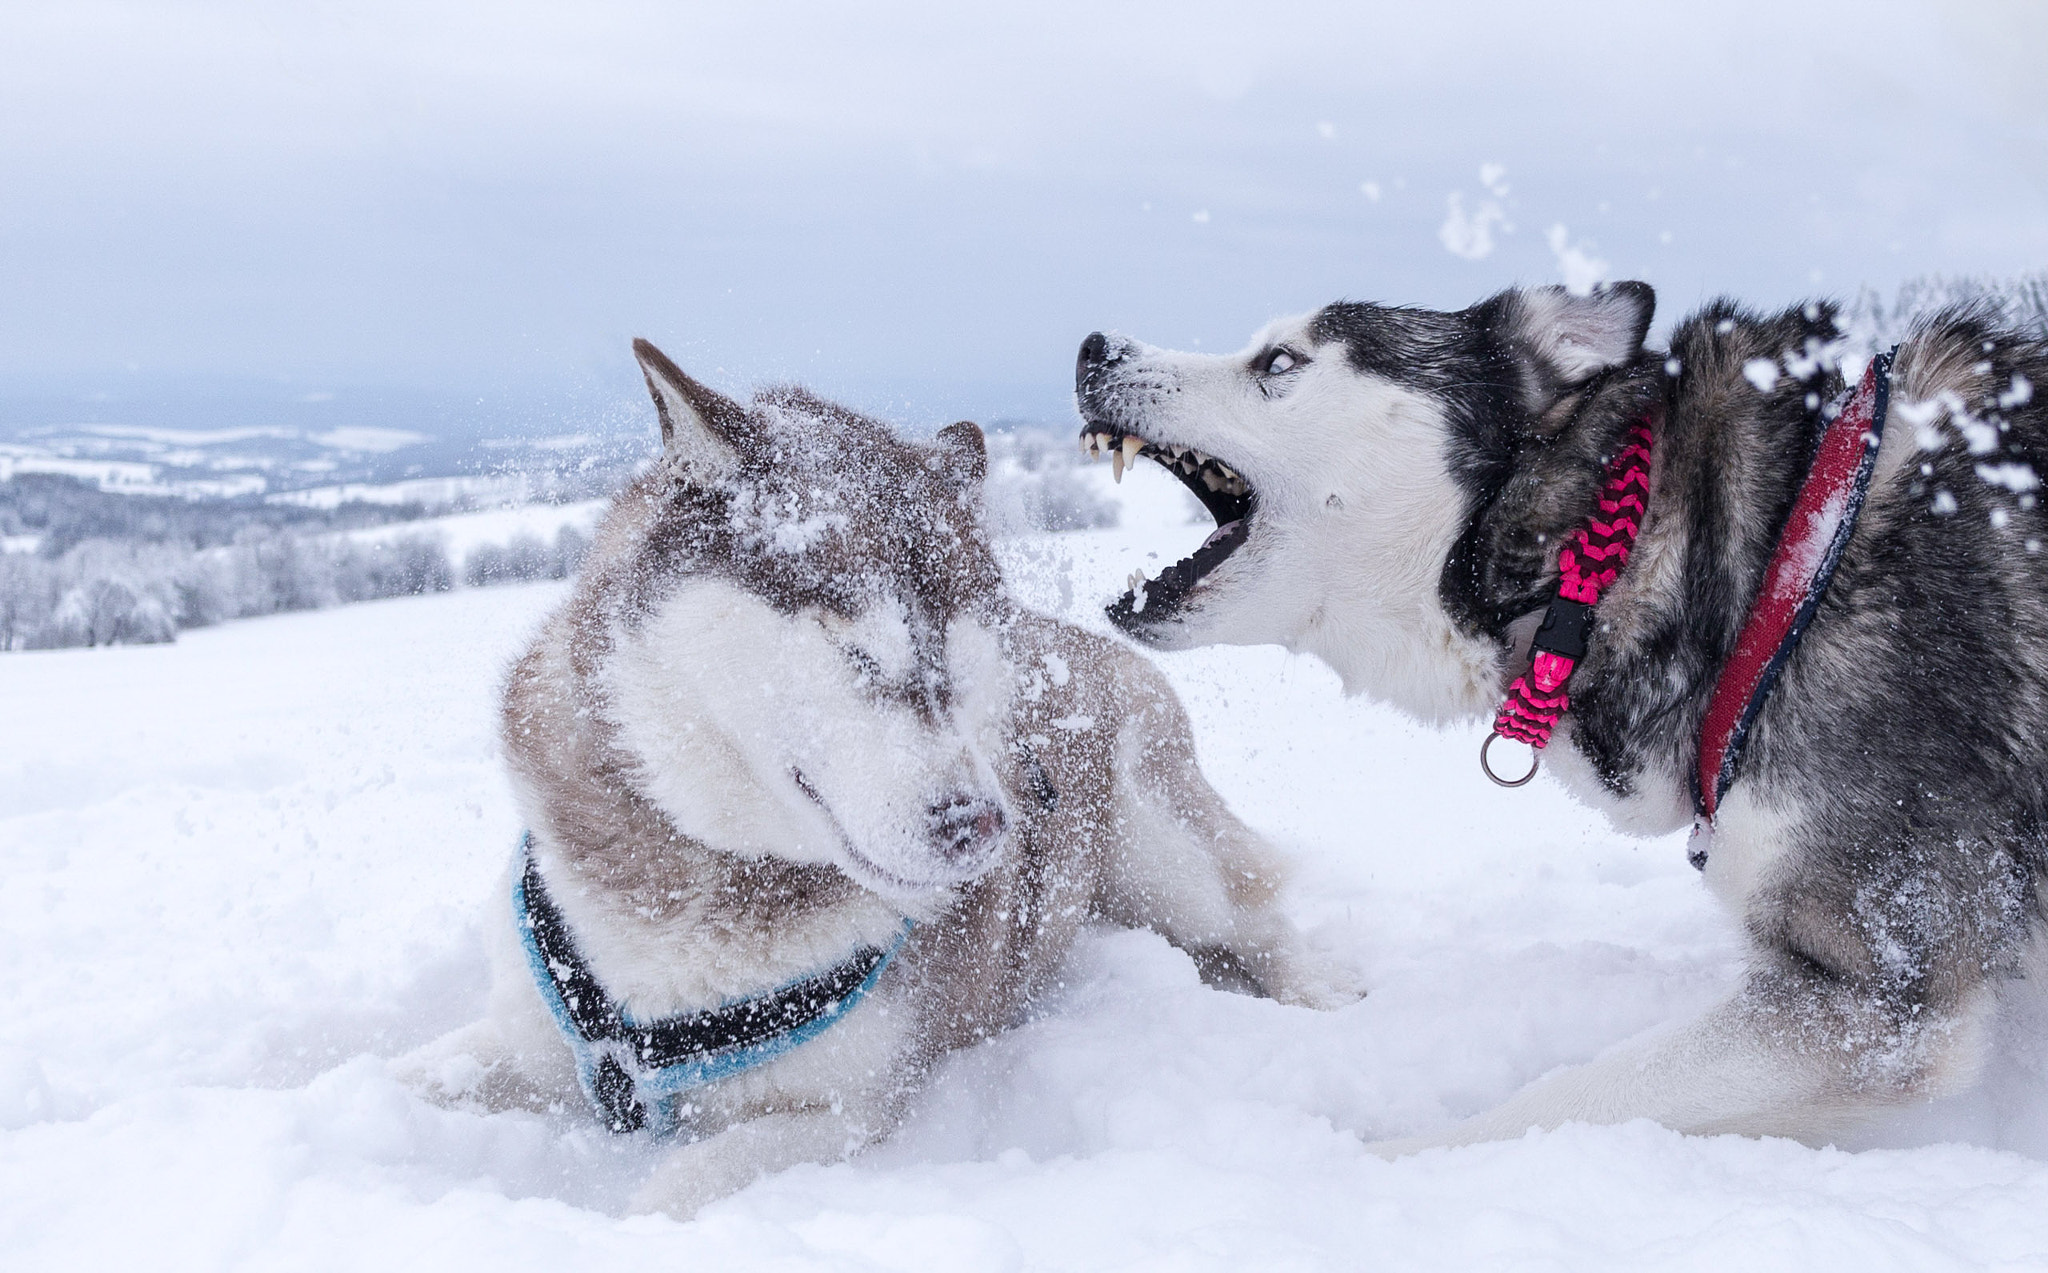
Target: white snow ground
(241, 869)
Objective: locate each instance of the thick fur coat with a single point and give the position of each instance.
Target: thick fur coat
(1410, 475)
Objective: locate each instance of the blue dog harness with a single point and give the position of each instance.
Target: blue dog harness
(632, 1072)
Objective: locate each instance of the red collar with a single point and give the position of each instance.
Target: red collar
(1809, 548)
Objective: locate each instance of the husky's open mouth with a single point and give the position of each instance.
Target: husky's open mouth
(1227, 496)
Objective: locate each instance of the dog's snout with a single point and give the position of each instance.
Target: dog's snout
(963, 825)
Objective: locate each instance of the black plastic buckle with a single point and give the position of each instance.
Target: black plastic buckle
(1566, 624)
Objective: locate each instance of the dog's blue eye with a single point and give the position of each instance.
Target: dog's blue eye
(1279, 362)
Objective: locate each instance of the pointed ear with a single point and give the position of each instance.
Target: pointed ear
(1565, 339)
(694, 419)
(963, 454)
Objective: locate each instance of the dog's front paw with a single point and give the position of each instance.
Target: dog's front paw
(1313, 979)
(692, 1178)
(474, 1068)
(1323, 995)
(454, 1069)
(696, 1175)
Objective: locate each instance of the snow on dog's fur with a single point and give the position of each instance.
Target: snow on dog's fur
(788, 706)
(1391, 486)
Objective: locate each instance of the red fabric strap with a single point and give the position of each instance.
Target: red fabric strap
(1809, 547)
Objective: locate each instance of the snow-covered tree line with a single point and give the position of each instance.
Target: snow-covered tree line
(525, 558)
(1877, 323)
(114, 592)
(91, 568)
(128, 592)
(1035, 483)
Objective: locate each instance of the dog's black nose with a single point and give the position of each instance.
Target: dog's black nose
(1095, 354)
(963, 825)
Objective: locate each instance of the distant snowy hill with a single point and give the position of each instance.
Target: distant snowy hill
(315, 468)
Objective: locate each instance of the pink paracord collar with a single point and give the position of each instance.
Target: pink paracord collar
(1587, 565)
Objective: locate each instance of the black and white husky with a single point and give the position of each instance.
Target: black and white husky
(811, 802)
(1391, 486)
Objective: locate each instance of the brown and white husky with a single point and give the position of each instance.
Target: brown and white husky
(812, 801)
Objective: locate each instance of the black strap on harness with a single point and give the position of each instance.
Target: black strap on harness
(690, 1036)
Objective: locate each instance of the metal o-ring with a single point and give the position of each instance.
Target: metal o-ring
(1535, 761)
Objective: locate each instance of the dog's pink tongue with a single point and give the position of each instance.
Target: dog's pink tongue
(1218, 533)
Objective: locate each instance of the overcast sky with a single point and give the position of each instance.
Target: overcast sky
(924, 208)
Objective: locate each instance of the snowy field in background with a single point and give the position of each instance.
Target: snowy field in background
(244, 868)
(461, 534)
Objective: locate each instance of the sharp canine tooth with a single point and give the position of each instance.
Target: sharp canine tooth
(1116, 464)
(1131, 447)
